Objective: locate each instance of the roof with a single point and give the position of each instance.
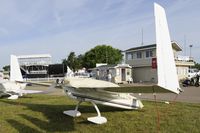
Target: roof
(175, 46)
(114, 66)
(141, 47)
(34, 56)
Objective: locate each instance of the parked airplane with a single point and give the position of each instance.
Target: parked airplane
(15, 86)
(110, 94)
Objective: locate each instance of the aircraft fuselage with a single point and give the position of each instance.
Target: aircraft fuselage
(100, 96)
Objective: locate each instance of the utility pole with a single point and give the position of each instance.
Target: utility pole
(190, 50)
(142, 38)
(190, 58)
(106, 55)
(185, 45)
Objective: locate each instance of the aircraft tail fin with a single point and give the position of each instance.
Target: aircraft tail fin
(70, 73)
(166, 68)
(15, 72)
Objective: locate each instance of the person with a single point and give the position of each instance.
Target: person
(109, 77)
(130, 80)
(57, 81)
(197, 79)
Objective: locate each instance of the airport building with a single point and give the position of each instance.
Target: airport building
(143, 61)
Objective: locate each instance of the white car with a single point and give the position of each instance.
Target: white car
(192, 73)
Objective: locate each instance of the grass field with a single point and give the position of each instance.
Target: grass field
(43, 113)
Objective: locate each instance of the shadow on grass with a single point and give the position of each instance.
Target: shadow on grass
(52, 125)
(55, 121)
(21, 127)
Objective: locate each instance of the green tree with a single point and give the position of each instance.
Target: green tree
(73, 62)
(101, 54)
(80, 61)
(64, 61)
(6, 68)
(196, 65)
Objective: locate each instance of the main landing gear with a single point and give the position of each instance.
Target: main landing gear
(97, 119)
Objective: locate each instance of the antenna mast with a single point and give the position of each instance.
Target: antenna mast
(142, 37)
(185, 45)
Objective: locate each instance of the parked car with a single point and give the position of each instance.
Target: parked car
(192, 73)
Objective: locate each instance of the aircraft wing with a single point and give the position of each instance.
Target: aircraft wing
(47, 84)
(30, 91)
(87, 85)
(134, 89)
(51, 87)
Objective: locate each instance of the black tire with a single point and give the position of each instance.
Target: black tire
(197, 84)
(192, 82)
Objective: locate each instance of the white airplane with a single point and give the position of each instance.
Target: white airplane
(15, 85)
(110, 94)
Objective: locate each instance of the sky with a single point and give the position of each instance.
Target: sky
(58, 27)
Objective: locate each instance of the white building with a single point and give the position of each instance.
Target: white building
(119, 73)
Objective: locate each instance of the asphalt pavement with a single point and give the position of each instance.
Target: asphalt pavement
(190, 94)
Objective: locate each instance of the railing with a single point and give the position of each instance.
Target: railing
(184, 58)
(44, 79)
(39, 72)
(184, 63)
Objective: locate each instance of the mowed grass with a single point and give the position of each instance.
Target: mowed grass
(43, 113)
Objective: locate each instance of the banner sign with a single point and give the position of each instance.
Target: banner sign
(154, 63)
